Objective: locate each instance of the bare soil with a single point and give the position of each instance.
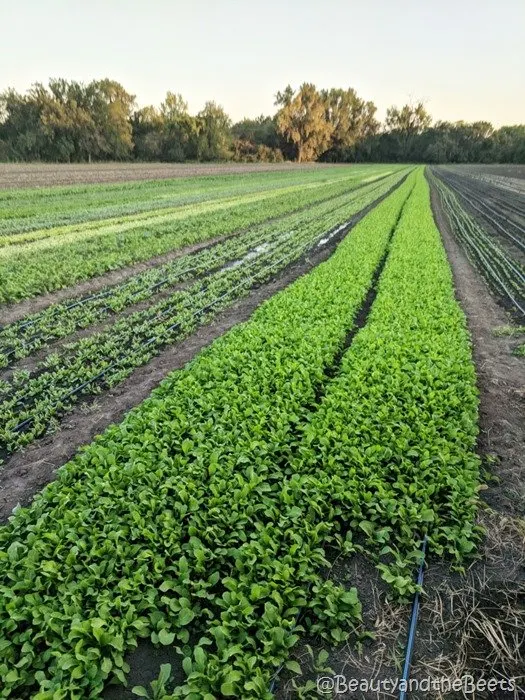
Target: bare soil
(505, 169)
(15, 175)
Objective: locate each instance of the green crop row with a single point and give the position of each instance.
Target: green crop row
(397, 429)
(180, 515)
(387, 457)
(29, 209)
(22, 338)
(57, 262)
(55, 213)
(125, 221)
(32, 402)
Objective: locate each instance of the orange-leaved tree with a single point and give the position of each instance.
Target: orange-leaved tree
(302, 121)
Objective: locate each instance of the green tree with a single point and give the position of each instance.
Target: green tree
(21, 128)
(256, 139)
(113, 108)
(352, 120)
(68, 119)
(213, 133)
(173, 107)
(260, 131)
(405, 125)
(146, 127)
(508, 144)
(282, 99)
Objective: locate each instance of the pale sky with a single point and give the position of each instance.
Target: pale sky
(464, 58)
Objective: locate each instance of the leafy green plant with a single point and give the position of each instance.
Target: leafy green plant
(91, 364)
(502, 331)
(158, 689)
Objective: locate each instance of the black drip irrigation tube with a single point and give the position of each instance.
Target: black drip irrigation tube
(103, 295)
(413, 624)
(470, 245)
(411, 630)
(486, 210)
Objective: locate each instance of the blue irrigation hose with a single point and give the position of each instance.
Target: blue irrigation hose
(413, 624)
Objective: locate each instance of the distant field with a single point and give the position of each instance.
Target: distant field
(504, 170)
(486, 210)
(14, 175)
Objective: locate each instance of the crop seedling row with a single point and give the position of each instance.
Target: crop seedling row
(80, 253)
(33, 402)
(506, 276)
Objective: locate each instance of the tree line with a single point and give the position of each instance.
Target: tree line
(69, 121)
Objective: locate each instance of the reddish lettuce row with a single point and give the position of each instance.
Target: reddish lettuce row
(181, 518)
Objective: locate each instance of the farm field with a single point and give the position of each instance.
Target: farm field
(488, 216)
(314, 362)
(84, 234)
(14, 175)
(95, 340)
